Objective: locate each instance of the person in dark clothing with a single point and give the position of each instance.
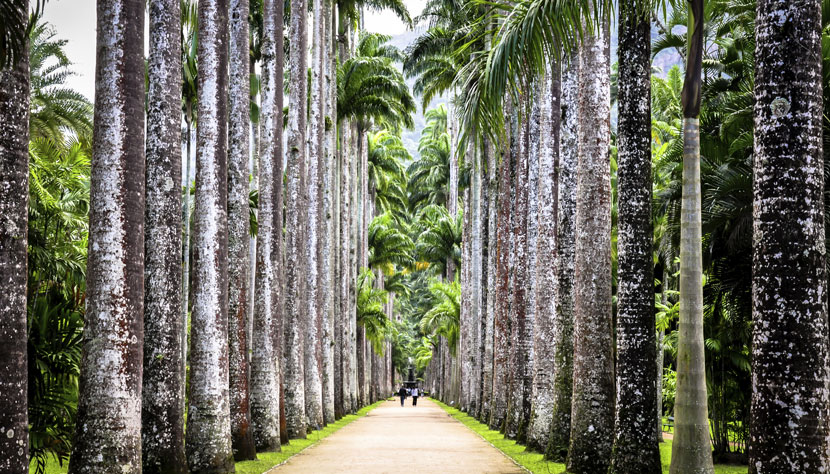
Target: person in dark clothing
(402, 394)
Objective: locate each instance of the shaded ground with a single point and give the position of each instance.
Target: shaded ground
(391, 439)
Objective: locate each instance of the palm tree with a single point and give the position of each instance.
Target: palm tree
(238, 231)
(208, 420)
(635, 448)
(789, 420)
(313, 346)
(162, 409)
(560, 434)
(108, 435)
(296, 317)
(546, 265)
(14, 174)
(592, 427)
(55, 109)
(690, 449)
(266, 359)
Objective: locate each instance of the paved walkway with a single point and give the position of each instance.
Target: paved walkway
(391, 439)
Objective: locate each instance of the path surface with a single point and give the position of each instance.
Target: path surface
(391, 439)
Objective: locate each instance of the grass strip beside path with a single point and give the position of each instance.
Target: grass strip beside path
(535, 462)
(267, 461)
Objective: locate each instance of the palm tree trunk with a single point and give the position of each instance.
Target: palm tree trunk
(313, 221)
(14, 181)
(691, 450)
(162, 410)
(491, 265)
(330, 185)
(265, 358)
(560, 432)
(208, 423)
(592, 427)
(278, 239)
(476, 270)
(108, 428)
(238, 232)
(789, 412)
(521, 328)
(501, 322)
(660, 358)
(635, 447)
(354, 347)
(546, 270)
(295, 312)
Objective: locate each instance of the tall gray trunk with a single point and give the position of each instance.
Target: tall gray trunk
(635, 446)
(14, 199)
(491, 295)
(162, 410)
(108, 423)
(239, 149)
(592, 410)
(691, 449)
(789, 425)
(278, 239)
(313, 346)
(546, 259)
(560, 432)
(295, 310)
(501, 320)
(328, 247)
(265, 358)
(208, 419)
(521, 326)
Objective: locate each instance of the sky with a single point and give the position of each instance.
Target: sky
(74, 20)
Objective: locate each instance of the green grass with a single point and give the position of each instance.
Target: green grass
(535, 462)
(264, 461)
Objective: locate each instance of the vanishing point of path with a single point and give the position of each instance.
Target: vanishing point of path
(391, 439)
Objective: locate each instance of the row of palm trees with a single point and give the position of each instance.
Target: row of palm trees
(259, 336)
(546, 354)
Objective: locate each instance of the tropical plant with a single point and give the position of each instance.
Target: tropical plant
(370, 314)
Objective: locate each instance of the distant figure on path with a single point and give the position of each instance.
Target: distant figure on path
(415, 396)
(402, 394)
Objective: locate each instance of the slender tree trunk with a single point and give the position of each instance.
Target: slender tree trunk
(208, 422)
(560, 432)
(491, 264)
(238, 231)
(691, 449)
(14, 181)
(162, 414)
(635, 447)
(108, 423)
(265, 358)
(521, 328)
(313, 218)
(592, 411)
(295, 313)
(546, 269)
(477, 269)
(328, 247)
(278, 240)
(790, 423)
(501, 323)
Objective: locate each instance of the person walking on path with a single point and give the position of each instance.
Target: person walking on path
(402, 394)
(415, 396)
